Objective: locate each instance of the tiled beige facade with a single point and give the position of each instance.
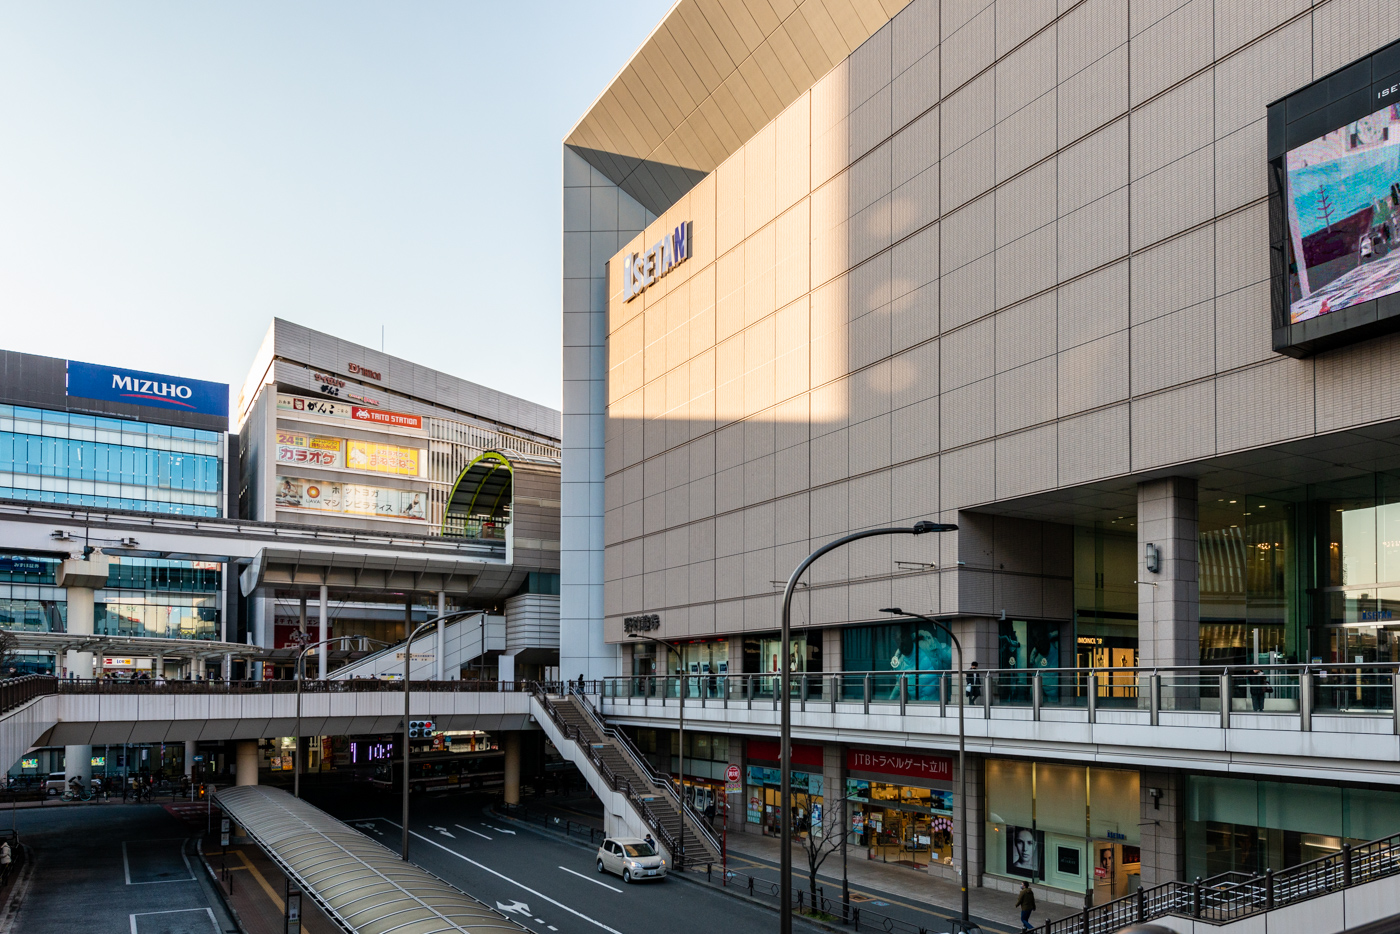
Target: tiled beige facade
(1003, 248)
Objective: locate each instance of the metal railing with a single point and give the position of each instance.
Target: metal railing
(15, 692)
(328, 686)
(1248, 696)
(666, 782)
(619, 783)
(1235, 895)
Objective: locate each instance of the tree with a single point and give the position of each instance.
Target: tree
(822, 840)
(1324, 207)
(9, 645)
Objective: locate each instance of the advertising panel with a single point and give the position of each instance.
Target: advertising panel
(361, 500)
(373, 457)
(385, 417)
(311, 450)
(293, 493)
(286, 403)
(138, 387)
(1343, 197)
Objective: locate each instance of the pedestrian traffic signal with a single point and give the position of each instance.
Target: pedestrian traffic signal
(421, 729)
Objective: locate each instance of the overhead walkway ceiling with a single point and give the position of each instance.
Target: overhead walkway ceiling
(362, 886)
(713, 74)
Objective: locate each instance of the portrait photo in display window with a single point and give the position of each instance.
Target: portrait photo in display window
(1023, 849)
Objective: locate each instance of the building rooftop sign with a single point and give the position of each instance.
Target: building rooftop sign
(138, 387)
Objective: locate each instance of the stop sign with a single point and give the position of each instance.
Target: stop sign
(732, 774)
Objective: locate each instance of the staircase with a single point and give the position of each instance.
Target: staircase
(625, 770)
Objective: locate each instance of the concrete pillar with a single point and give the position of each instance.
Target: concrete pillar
(439, 668)
(836, 816)
(324, 632)
(1162, 828)
(1169, 599)
(189, 758)
(77, 763)
(510, 745)
(159, 671)
(738, 804)
(976, 825)
(247, 768)
(81, 577)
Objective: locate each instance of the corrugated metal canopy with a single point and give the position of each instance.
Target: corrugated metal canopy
(361, 885)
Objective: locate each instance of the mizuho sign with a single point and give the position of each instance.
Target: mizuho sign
(641, 270)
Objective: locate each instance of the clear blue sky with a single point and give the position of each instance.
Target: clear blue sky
(174, 175)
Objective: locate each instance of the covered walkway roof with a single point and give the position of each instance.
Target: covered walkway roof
(362, 886)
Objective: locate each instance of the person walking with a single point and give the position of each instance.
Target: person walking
(974, 684)
(1026, 902)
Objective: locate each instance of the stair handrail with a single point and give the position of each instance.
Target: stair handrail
(618, 783)
(1215, 900)
(662, 781)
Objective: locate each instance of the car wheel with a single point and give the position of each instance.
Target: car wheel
(600, 867)
(627, 875)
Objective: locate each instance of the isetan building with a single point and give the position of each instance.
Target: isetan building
(1112, 286)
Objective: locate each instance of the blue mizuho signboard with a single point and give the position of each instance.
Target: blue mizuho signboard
(157, 390)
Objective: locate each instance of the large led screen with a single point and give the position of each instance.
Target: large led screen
(1343, 203)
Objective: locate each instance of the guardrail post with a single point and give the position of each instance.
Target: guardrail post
(1141, 906)
(991, 685)
(1226, 701)
(1346, 865)
(903, 693)
(1268, 890)
(945, 683)
(724, 686)
(749, 682)
(1154, 690)
(1394, 706)
(1305, 700)
(1037, 692)
(1196, 898)
(835, 689)
(803, 692)
(778, 688)
(866, 682)
(1093, 698)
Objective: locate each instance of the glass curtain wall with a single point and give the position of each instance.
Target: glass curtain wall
(1105, 597)
(60, 457)
(910, 645)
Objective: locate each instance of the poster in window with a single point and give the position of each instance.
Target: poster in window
(1067, 860)
(1023, 846)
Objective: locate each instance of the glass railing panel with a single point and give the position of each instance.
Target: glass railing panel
(1353, 690)
(1190, 691)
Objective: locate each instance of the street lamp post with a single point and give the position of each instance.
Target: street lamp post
(407, 658)
(680, 856)
(962, 746)
(785, 754)
(300, 677)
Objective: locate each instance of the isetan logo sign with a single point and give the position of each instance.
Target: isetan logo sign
(641, 270)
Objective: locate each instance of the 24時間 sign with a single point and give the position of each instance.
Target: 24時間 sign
(910, 765)
(155, 390)
(641, 270)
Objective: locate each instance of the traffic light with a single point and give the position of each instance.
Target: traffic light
(420, 729)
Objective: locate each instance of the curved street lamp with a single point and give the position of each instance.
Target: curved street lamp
(785, 801)
(962, 745)
(300, 677)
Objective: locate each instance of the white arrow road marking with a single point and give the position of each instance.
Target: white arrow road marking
(513, 908)
(371, 828)
(469, 830)
(443, 831)
(590, 879)
(500, 875)
(499, 830)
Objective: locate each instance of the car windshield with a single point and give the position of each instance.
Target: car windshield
(639, 849)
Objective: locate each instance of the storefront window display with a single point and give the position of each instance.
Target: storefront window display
(1242, 825)
(763, 787)
(897, 647)
(1028, 645)
(1070, 827)
(901, 806)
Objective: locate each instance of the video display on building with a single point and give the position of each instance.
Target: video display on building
(1334, 207)
(1343, 203)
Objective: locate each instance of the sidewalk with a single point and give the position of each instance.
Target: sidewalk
(873, 882)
